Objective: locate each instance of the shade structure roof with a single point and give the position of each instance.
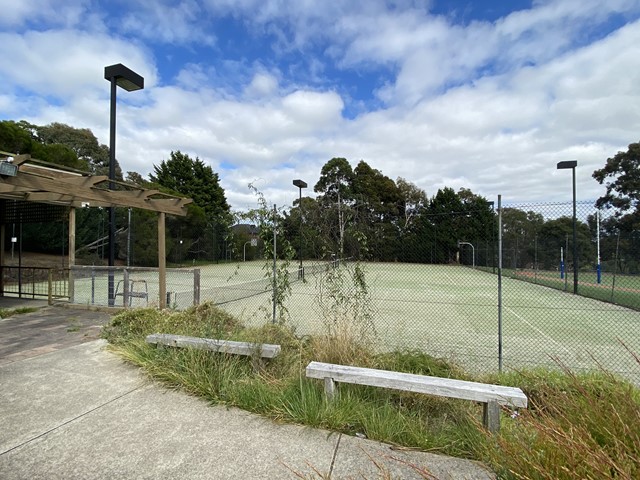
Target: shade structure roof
(43, 182)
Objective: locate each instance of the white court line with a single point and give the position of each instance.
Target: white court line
(541, 332)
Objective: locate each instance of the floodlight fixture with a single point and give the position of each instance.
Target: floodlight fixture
(119, 76)
(7, 168)
(124, 77)
(567, 164)
(300, 184)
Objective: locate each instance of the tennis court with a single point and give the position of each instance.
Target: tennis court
(448, 311)
(452, 311)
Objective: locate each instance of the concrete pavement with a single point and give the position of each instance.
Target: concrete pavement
(80, 412)
(46, 330)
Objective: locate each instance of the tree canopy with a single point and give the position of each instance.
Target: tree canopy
(57, 143)
(621, 174)
(82, 142)
(191, 177)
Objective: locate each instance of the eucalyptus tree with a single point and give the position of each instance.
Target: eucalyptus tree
(336, 188)
(412, 200)
(377, 203)
(621, 175)
(520, 232)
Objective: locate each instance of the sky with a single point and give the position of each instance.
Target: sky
(485, 95)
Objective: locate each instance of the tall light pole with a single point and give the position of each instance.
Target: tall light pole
(572, 164)
(119, 76)
(300, 184)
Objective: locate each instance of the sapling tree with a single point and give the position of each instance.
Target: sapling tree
(277, 252)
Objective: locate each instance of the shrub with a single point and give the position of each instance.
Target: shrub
(204, 320)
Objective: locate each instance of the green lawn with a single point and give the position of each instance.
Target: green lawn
(620, 289)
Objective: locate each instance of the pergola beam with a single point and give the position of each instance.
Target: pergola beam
(46, 182)
(75, 191)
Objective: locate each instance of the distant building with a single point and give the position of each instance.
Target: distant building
(247, 229)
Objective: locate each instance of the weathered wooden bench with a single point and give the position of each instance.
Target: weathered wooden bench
(264, 350)
(492, 396)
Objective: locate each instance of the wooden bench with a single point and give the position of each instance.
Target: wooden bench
(492, 396)
(264, 350)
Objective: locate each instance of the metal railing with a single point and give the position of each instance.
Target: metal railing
(34, 282)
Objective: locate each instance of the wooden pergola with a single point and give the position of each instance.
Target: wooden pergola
(27, 179)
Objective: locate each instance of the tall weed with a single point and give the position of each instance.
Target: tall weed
(577, 426)
(349, 334)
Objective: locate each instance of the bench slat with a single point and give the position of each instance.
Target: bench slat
(266, 350)
(445, 387)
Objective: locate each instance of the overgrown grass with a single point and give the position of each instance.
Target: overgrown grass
(577, 426)
(9, 312)
(584, 425)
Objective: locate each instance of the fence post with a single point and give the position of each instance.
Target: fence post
(71, 286)
(72, 254)
(50, 294)
(615, 266)
(125, 290)
(566, 254)
(275, 285)
(196, 286)
(500, 283)
(162, 262)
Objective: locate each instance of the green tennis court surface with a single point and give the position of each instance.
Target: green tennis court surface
(449, 311)
(452, 311)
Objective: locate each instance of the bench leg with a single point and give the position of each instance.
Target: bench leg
(491, 416)
(329, 388)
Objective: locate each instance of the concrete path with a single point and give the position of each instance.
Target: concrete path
(46, 330)
(80, 412)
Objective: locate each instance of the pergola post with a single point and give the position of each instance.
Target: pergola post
(72, 251)
(162, 262)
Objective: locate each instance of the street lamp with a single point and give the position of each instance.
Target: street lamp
(300, 184)
(572, 164)
(119, 76)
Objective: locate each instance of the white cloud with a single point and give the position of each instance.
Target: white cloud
(313, 109)
(194, 77)
(63, 63)
(17, 13)
(183, 23)
(487, 106)
(263, 85)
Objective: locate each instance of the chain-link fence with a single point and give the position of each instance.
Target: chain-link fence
(132, 287)
(443, 288)
(449, 283)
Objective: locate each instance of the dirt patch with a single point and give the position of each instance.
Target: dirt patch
(33, 259)
(46, 260)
